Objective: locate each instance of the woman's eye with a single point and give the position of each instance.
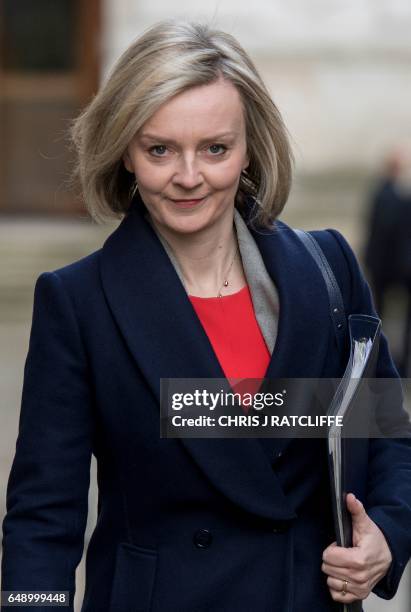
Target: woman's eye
(217, 149)
(158, 150)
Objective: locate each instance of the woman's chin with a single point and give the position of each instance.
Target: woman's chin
(187, 225)
(189, 221)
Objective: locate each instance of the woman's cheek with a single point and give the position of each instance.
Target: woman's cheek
(153, 178)
(225, 175)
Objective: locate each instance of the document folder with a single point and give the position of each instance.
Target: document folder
(348, 454)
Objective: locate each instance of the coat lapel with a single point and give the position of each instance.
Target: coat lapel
(303, 325)
(304, 320)
(167, 340)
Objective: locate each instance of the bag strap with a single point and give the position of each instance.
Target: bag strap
(337, 311)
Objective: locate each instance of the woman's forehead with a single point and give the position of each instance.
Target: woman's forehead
(223, 136)
(205, 111)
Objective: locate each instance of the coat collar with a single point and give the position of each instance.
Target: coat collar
(167, 340)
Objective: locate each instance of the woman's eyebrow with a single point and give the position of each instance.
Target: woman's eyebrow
(213, 138)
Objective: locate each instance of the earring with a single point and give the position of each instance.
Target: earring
(133, 189)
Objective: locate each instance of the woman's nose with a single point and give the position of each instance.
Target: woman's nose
(188, 174)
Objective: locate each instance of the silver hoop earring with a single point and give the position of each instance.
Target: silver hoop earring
(133, 190)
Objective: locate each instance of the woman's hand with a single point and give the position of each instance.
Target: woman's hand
(353, 572)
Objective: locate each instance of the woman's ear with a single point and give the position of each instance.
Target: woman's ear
(127, 161)
(246, 162)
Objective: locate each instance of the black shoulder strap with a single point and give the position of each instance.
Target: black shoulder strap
(337, 311)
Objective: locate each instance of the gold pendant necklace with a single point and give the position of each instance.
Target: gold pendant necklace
(225, 283)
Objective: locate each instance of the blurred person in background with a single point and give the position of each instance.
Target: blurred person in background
(388, 245)
(200, 280)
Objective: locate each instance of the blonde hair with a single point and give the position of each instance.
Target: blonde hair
(166, 59)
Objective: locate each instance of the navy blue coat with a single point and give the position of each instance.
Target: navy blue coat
(190, 525)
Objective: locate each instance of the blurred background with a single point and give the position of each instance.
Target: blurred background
(340, 73)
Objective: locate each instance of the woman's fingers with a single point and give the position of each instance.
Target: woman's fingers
(347, 598)
(341, 573)
(354, 590)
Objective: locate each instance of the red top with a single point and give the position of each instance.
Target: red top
(233, 331)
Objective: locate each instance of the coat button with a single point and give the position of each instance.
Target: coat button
(202, 538)
(280, 527)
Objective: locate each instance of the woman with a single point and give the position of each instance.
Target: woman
(185, 143)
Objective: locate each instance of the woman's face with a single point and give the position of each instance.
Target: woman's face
(188, 157)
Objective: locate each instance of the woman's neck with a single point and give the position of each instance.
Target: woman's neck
(207, 258)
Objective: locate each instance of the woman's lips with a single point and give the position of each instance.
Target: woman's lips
(188, 203)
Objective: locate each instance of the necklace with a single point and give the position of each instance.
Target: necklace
(225, 282)
(174, 259)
